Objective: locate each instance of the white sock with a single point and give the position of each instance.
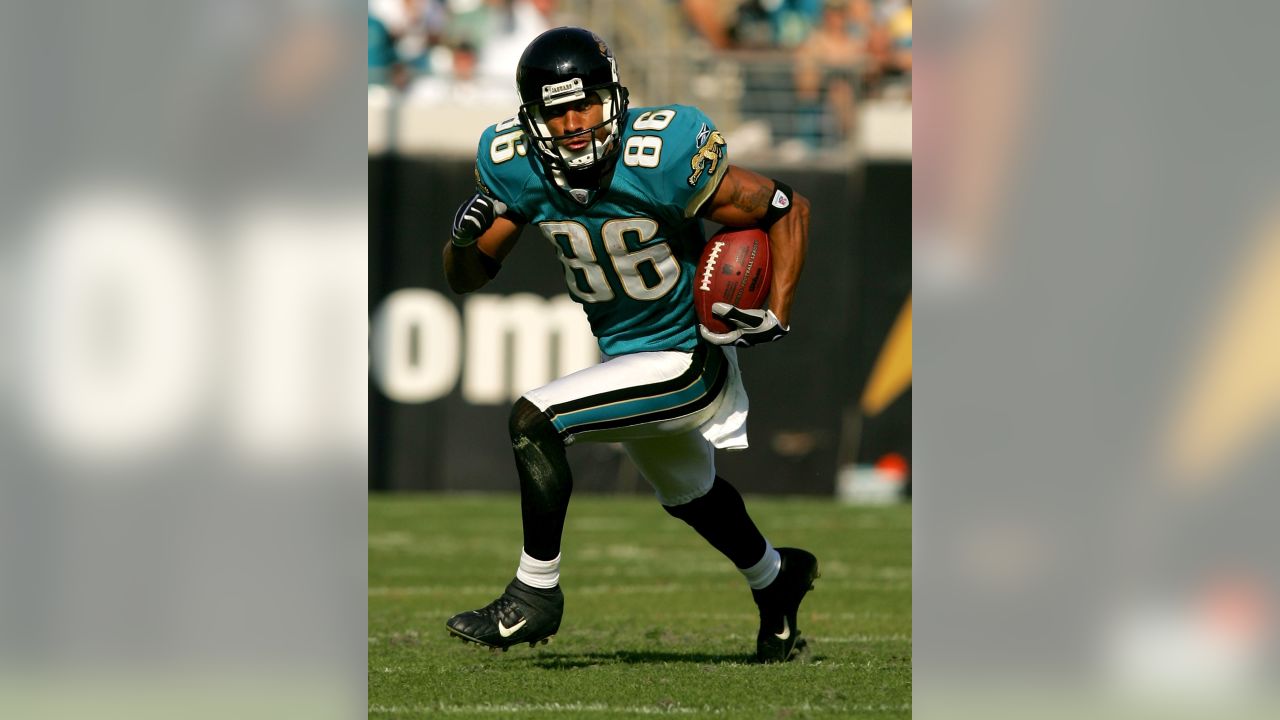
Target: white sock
(543, 574)
(764, 572)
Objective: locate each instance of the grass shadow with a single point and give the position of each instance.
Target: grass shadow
(638, 657)
(804, 655)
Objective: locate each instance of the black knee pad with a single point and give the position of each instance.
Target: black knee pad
(546, 481)
(528, 422)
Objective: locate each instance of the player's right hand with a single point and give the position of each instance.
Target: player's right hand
(751, 327)
(474, 217)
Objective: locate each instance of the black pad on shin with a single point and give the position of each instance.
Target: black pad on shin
(721, 517)
(545, 479)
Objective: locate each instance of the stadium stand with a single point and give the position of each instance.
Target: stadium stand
(790, 81)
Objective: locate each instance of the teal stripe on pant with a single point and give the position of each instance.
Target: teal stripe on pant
(642, 407)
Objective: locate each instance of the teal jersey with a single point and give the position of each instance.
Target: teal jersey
(629, 255)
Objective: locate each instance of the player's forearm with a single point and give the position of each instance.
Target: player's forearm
(788, 243)
(463, 268)
(469, 267)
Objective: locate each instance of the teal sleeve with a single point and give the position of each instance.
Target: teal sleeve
(695, 158)
(501, 167)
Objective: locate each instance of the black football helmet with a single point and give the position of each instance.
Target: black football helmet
(565, 65)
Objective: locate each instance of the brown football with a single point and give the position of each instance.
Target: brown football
(734, 268)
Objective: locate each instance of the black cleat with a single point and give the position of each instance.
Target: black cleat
(780, 602)
(522, 614)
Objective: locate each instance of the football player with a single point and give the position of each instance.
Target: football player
(619, 193)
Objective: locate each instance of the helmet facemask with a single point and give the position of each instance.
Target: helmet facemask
(577, 168)
(568, 65)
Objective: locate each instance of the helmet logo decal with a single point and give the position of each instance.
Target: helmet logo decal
(604, 49)
(563, 92)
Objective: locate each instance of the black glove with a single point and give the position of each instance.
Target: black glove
(474, 217)
(753, 326)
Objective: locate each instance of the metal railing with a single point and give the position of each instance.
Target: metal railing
(751, 95)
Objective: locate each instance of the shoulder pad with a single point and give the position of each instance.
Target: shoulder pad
(693, 154)
(501, 169)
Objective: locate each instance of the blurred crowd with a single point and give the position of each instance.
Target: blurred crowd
(867, 42)
(806, 64)
(803, 65)
(453, 50)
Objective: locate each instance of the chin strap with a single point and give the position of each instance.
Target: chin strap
(582, 195)
(592, 180)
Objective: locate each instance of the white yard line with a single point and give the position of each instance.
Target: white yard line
(628, 589)
(410, 636)
(506, 708)
(392, 591)
(860, 638)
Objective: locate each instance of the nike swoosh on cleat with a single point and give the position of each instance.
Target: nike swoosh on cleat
(784, 635)
(506, 632)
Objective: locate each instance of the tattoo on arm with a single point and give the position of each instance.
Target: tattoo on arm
(752, 200)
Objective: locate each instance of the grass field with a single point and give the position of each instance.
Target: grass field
(656, 622)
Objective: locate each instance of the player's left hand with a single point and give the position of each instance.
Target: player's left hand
(752, 327)
(474, 217)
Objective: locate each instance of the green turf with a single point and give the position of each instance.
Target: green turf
(656, 622)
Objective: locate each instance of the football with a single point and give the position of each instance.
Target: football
(734, 268)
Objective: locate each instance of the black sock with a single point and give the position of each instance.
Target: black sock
(545, 479)
(721, 517)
